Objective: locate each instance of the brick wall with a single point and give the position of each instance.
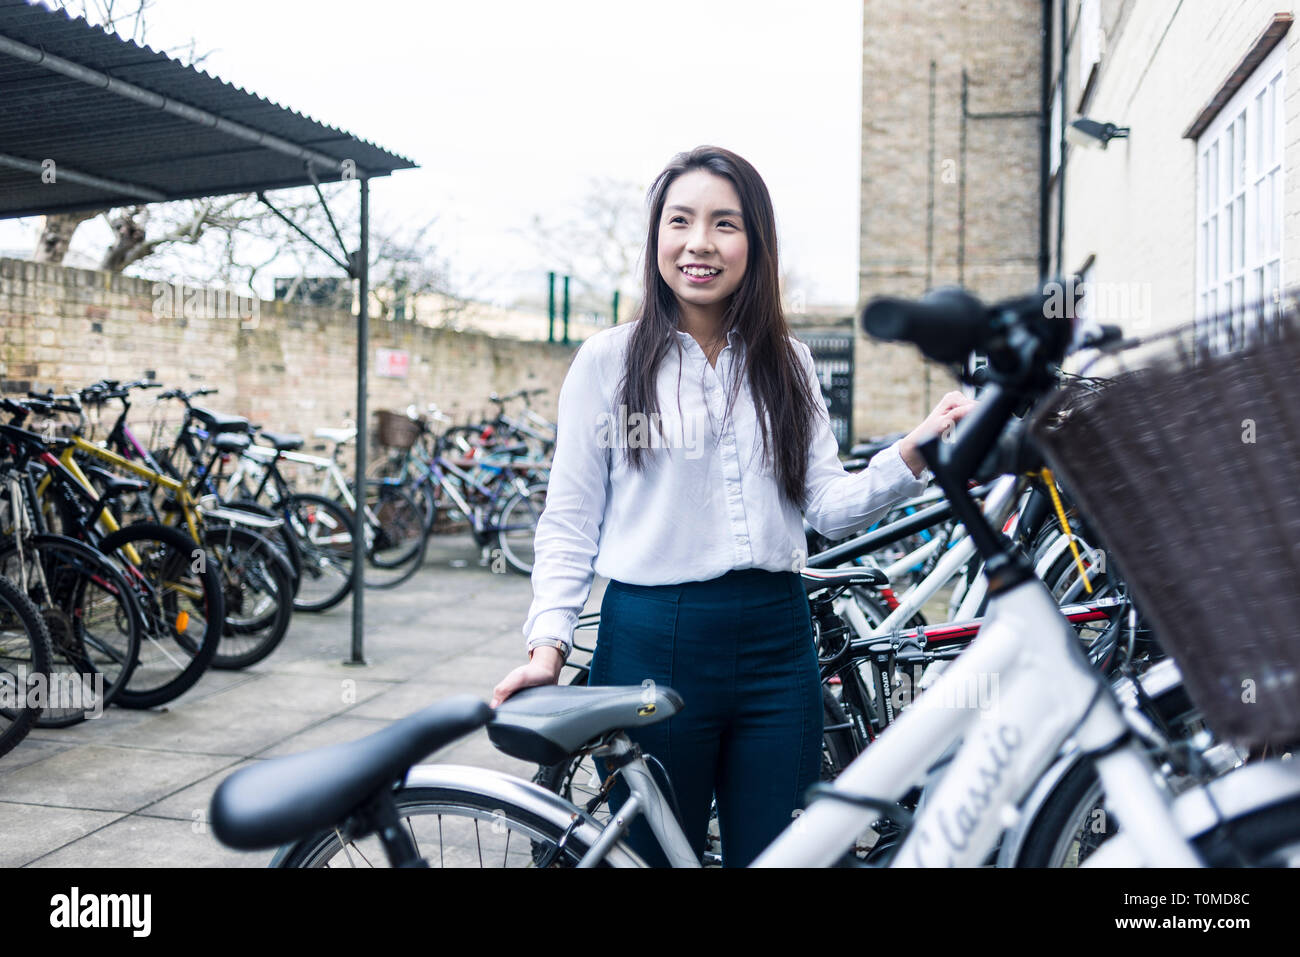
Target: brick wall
(913, 231)
(294, 371)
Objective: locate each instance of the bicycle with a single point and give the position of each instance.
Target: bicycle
(26, 661)
(176, 591)
(81, 596)
(983, 759)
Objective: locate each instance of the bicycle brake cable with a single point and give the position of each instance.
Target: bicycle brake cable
(1050, 481)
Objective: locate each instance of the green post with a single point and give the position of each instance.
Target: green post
(566, 310)
(615, 322)
(550, 331)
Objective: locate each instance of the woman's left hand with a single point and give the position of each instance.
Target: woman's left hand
(952, 408)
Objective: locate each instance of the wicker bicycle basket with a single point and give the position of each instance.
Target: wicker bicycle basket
(396, 430)
(1188, 465)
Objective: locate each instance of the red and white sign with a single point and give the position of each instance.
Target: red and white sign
(392, 363)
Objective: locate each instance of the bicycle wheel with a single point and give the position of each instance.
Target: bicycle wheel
(396, 536)
(322, 530)
(451, 827)
(517, 527)
(257, 594)
(91, 617)
(25, 662)
(280, 537)
(1069, 830)
(178, 597)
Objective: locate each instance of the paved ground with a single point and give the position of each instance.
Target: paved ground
(132, 788)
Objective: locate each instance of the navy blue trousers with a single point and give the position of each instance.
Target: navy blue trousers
(739, 650)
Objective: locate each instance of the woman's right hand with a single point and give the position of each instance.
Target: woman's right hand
(543, 668)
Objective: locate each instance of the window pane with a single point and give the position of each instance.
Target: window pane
(1262, 216)
(1239, 243)
(1212, 274)
(1212, 181)
(1258, 165)
(1274, 276)
(1275, 213)
(1229, 234)
(1240, 127)
(1201, 182)
(1229, 167)
(1271, 131)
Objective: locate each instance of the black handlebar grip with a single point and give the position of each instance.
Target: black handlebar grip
(946, 325)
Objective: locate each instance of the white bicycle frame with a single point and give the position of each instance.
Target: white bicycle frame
(1019, 694)
(997, 506)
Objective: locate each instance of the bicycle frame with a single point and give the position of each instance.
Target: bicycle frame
(1043, 693)
(189, 507)
(996, 507)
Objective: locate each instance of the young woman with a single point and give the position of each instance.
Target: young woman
(689, 443)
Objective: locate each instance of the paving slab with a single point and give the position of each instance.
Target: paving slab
(140, 841)
(32, 830)
(406, 698)
(336, 730)
(211, 727)
(133, 788)
(105, 777)
(197, 797)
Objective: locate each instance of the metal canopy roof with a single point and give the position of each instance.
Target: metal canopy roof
(126, 124)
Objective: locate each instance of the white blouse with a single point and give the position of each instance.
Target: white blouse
(705, 504)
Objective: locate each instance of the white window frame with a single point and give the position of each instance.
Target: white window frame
(1240, 200)
(1089, 40)
(1054, 150)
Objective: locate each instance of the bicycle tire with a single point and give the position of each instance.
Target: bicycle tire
(308, 514)
(16, 609)
(1069, 809)
(279, 537)
(537, 834)
(198, 592)
(519, 558)
(247, 561)
(1258, 837)
(90, 631)
(397, 537)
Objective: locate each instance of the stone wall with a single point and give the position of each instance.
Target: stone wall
(293, 368)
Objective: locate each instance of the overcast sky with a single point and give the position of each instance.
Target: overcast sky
(511, 106)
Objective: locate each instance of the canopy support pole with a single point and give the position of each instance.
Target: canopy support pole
(362, 269)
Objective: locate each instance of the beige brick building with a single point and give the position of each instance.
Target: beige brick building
(952, 125)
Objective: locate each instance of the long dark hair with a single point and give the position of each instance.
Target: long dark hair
(783, 399)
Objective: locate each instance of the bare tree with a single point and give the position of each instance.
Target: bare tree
(231, 240)
(598, 243)
(129, 22)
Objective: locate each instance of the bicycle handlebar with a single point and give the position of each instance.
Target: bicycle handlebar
(947, 324)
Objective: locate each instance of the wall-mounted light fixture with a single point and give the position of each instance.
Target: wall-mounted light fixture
(1090, 133)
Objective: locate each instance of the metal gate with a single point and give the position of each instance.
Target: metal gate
(833, 361)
